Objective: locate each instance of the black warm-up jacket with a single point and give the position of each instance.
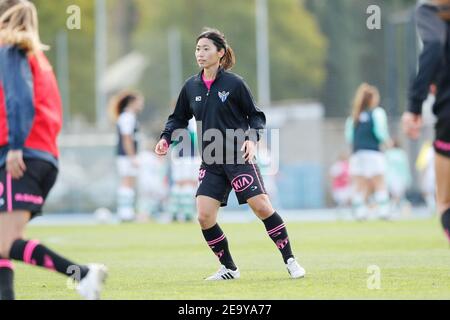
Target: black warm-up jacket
(227, 105)
(434, 62)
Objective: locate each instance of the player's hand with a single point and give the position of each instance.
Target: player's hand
(389, 144)
(249, 148)
(15, 165)
(412, 124)
(162, 147)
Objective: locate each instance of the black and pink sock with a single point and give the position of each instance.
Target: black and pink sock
(277, 231)
(6, 279)
(219, 245)
(445, 220)
(31, 252)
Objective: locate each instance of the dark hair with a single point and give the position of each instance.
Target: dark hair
(120, 102)
(228, 60)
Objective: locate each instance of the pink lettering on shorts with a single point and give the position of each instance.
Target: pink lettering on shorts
(201, 174)
(2, 189)
(29, 198)
(242, 182)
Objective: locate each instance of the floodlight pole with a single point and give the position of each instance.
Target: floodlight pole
(176, 62)
(62, 63)
(101, 62)
(262, 53)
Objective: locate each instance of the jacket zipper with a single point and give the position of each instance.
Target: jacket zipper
(209, 90)
(207, 94)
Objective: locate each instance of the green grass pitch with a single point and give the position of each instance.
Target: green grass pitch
(160, 262)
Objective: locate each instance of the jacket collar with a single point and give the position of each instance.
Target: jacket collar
(220, 72)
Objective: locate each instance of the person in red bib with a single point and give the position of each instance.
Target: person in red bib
(30, 121)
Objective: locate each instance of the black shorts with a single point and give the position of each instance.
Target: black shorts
(442, 142)
(29, 192)
(217, 181)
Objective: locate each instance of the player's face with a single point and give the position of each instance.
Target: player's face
(138, 104)
(206, 54)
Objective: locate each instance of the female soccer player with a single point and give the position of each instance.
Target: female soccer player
(341, 183)
(221, 102)
(366, 130)
(30, 120)
(124, 108)
(433, 22)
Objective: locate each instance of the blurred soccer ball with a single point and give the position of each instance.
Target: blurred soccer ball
(103, 215)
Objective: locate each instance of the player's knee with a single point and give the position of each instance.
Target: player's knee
(204, 218)
(6, 242)
(263, 209)
(5, 248)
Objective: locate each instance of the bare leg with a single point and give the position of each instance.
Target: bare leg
(443, 191)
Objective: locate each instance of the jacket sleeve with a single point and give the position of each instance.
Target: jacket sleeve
(256, 117)
(17, 80)
(381, 128)
(349, 128)
(432, 31)
(179, 119)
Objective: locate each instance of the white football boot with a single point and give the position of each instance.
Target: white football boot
(294, 269)
(224, 274)
(91, 285)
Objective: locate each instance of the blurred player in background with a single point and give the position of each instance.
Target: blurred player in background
(433, 24)
(30, 121)
(341, 186)
(185, 164)
(398, 176)
(124, 109)
(265, 162)
(425, 168)
(220, 102)
(153, 184)
(366, 130)
(425, 159)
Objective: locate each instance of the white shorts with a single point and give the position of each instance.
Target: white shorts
(397, 188)
(125, 167)
(342, 196)
(367, 163)
(429, 180)
(185, 169)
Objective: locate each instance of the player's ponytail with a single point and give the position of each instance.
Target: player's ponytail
(228, 60)
(366, 97)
